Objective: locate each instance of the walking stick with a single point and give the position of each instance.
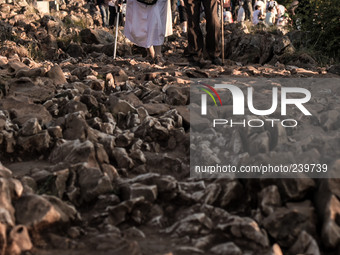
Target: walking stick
(222, 31)
(116, 36)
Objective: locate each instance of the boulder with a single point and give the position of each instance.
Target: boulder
(96, 36)
(41, 212)
(23, 110)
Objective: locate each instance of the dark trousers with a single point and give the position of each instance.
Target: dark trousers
(195, 37)
(104, 11)
(248, 10)
(113, 17)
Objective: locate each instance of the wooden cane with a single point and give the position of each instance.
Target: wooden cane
(222, 31)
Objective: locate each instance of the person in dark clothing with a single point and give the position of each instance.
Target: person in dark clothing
(195, 36)
(183, 17)
(248, 9)
(113, 13)
(104, 11)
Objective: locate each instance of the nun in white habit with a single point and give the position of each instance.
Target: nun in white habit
(148, 25)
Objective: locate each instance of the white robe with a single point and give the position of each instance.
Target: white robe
(147, 25)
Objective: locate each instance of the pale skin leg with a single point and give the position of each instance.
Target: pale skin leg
(151, 52)
(184, 26)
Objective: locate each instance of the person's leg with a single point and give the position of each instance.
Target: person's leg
(173, 9)
(195, 37)
(158, 50)
(213, 28)
(250, 9)
(159, 60)
(112, 19)
(183, 18)
(107, 11)
(104, 14)
(151, 52)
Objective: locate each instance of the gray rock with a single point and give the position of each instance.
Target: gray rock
(116, 105)
(244, 232)
(226, 249)
(285, 224)
(6, 211)
(57, 75)
(149, 192)
(39, 142)
(191, 225)
(75, 50)
(270, 199)
(92, 183)
(305, 244)
(335, 69)
(96, 36)
(38, 212)
(175, 96)
(19, 240)
(74, 152)
(30, 127)
(23, 111)
(120, 156)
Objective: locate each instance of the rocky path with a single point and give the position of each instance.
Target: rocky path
(95, 152)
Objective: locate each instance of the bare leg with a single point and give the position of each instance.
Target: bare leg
(184, 26)
(151, 52)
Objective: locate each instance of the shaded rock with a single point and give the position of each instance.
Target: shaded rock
(116, 105)
(120, 213)
(82, 71)
(191, 225)
(74, 106)
(330, 120)
(19, 240)
(75, 50)
(6, 211)
(134, 232)
(30, 72)
(269, 199)
(3, 238)
(230, 195)
(57, 75)
(244, 232)
(30, 127)
(37, 212)
(23, 111)
(39, 142)
(96, 36)
(40, 90)
(75, 126)
(226, 249)
(285, 224)
(122, 159)
(74, 152)
(136, 190)
(176, 96)
(120, 76)
(334, 69)
(305, 244)
(156, 109)
(92, 183)
(328, 206)
(95, 84)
